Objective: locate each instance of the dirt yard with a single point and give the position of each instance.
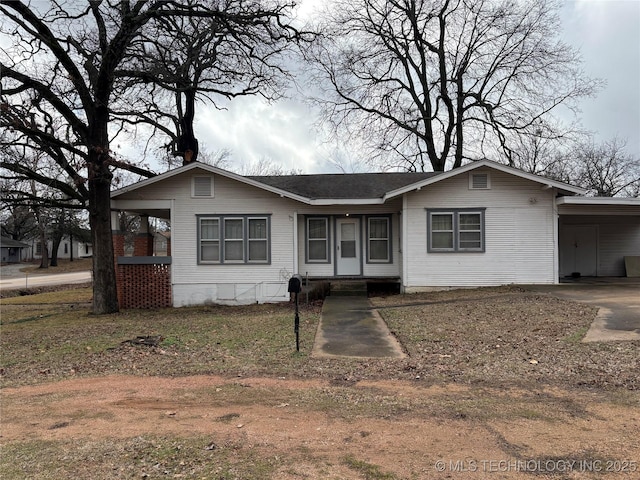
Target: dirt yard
(497, 385)
(316, 430)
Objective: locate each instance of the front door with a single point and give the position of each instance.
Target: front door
(348, 246)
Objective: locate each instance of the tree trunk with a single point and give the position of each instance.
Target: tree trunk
(44, 254)
(187, 141)
(105, 295)
(53, 262)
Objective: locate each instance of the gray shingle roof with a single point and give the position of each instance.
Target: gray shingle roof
(342, 186)
(9, 242)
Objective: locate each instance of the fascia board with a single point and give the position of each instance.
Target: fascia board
(215, 171)
(347, 201)
(485, 163)
(150, 181)
(598, 201)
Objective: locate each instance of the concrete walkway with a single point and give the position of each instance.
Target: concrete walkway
(350, 327)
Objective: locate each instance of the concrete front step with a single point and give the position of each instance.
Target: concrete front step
(349, 289)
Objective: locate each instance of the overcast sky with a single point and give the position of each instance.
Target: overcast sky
(607, 32)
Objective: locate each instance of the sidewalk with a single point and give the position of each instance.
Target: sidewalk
(350, 327)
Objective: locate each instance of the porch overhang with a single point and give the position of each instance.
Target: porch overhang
(152, 208)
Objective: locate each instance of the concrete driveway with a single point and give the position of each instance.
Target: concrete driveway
(618, 300)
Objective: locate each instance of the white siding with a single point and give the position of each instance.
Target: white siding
(358, 211)
(195, 284)
(618, 236)
(519, 234)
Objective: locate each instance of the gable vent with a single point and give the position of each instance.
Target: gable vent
(479, 181)
(202, 187)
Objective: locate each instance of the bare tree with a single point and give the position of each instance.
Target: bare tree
(16, 221)
(430, 84)
(606, 170)
(75, 61)
(209, 59)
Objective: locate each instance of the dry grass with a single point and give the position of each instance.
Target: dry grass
(64, 266)
(493, 337)
(495, 356)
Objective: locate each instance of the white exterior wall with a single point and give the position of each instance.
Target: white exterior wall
(617, 236)
(355, 211)
(194, 284)
(520, 234)
(79, 249)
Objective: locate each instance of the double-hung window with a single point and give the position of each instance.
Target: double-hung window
(317, 239)
(258, 240)
(209, 229)
(455, 230)
(379, 240)
(233, 239)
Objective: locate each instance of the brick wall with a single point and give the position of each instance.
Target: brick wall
(144, 285)
(143, 245)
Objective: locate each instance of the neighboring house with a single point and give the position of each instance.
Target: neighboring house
(76, 247)
(237, 239)
(12, 250)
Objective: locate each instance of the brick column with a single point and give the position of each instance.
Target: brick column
(143, 245)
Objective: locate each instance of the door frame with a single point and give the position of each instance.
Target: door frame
(357, 220)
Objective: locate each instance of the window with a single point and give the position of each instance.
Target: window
(378, 241)
(459, 230)
(469, 231)
(209, 240)
(233, 239)
(258, 242)
(202, 187)
(318, 240)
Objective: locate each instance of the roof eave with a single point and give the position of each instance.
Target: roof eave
(598, 201)
(210, 169)
(347, 201)
(564, 187)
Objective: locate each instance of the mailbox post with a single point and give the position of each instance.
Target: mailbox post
(295, 287)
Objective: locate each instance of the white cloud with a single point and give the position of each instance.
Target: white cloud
(606, 31)
(253, 129)
(608, 35)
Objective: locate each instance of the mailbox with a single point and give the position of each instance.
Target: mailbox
(295, 284)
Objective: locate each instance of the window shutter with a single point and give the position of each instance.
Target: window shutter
(202, 187)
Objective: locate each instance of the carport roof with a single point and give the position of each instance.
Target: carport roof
(599, 206)
(598, 201)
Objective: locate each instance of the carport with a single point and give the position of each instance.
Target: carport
(598, 237)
